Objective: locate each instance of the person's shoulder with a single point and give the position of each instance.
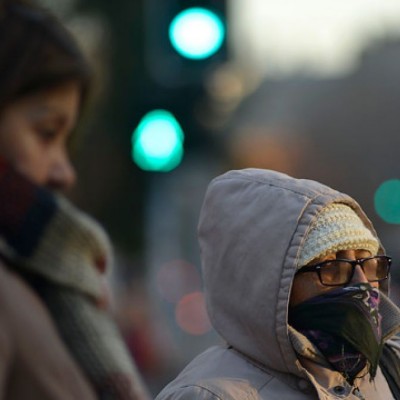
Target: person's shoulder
(23, 312)
(189, 392)
(211, 389)
(14, 291)
(219, 373)
(28, 338)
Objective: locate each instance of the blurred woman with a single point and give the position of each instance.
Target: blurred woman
(57, 340)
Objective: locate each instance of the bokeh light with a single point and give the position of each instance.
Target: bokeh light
(387, 201)
(191, 314)
(177, 278)
(196, 33)
(157, 142)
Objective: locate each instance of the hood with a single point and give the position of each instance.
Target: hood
(252, 227)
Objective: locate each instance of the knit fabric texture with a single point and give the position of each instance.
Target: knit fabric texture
(337, 228)
(63, 253)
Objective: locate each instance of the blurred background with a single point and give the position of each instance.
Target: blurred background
(187, 89)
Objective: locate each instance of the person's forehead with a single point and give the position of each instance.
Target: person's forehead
(345, 254)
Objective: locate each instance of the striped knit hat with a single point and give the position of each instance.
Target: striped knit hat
(337, 228)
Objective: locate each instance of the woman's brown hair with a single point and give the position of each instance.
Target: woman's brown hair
(37, 52)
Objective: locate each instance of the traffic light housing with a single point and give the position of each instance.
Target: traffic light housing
(184, 40)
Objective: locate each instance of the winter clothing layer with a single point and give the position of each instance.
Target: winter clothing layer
(344, 324)
(337, 228)
(53, 251)
(253, 225)
(34, 362)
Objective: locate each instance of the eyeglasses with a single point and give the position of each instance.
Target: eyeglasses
(340, 272)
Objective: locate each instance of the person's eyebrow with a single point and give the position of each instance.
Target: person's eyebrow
(40, 109)
(56, 114)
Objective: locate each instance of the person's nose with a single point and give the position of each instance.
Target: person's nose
(359, 276)
(62, 175)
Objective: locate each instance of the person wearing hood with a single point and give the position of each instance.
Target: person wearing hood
(296, 283)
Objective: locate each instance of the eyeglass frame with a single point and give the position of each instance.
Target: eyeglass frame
(359, 261)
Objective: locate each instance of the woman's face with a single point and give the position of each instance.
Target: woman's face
(308, 285)
(34, 132)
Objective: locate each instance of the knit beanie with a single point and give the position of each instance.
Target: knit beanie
(337, 228)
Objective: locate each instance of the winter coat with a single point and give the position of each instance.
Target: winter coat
(35, 364)
(252, 227)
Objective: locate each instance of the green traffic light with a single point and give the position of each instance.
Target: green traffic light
(157, 142)
(387, 201)
(196, 33)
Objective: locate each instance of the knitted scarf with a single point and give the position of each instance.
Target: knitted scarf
(61, 253)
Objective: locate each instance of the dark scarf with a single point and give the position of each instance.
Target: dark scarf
(345, 326)
(61, 253)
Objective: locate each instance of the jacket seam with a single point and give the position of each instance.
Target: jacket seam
(204, 388)
(248, 396)
(242, 178)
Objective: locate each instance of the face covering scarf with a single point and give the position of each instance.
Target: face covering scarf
(345, 325)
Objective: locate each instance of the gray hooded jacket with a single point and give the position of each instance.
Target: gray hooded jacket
(252, 228)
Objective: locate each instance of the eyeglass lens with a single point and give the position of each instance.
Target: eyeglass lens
(337, 272)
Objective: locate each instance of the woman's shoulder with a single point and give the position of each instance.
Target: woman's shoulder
(29, 338)
(16, 295)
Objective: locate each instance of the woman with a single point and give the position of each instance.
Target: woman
(56, 340)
